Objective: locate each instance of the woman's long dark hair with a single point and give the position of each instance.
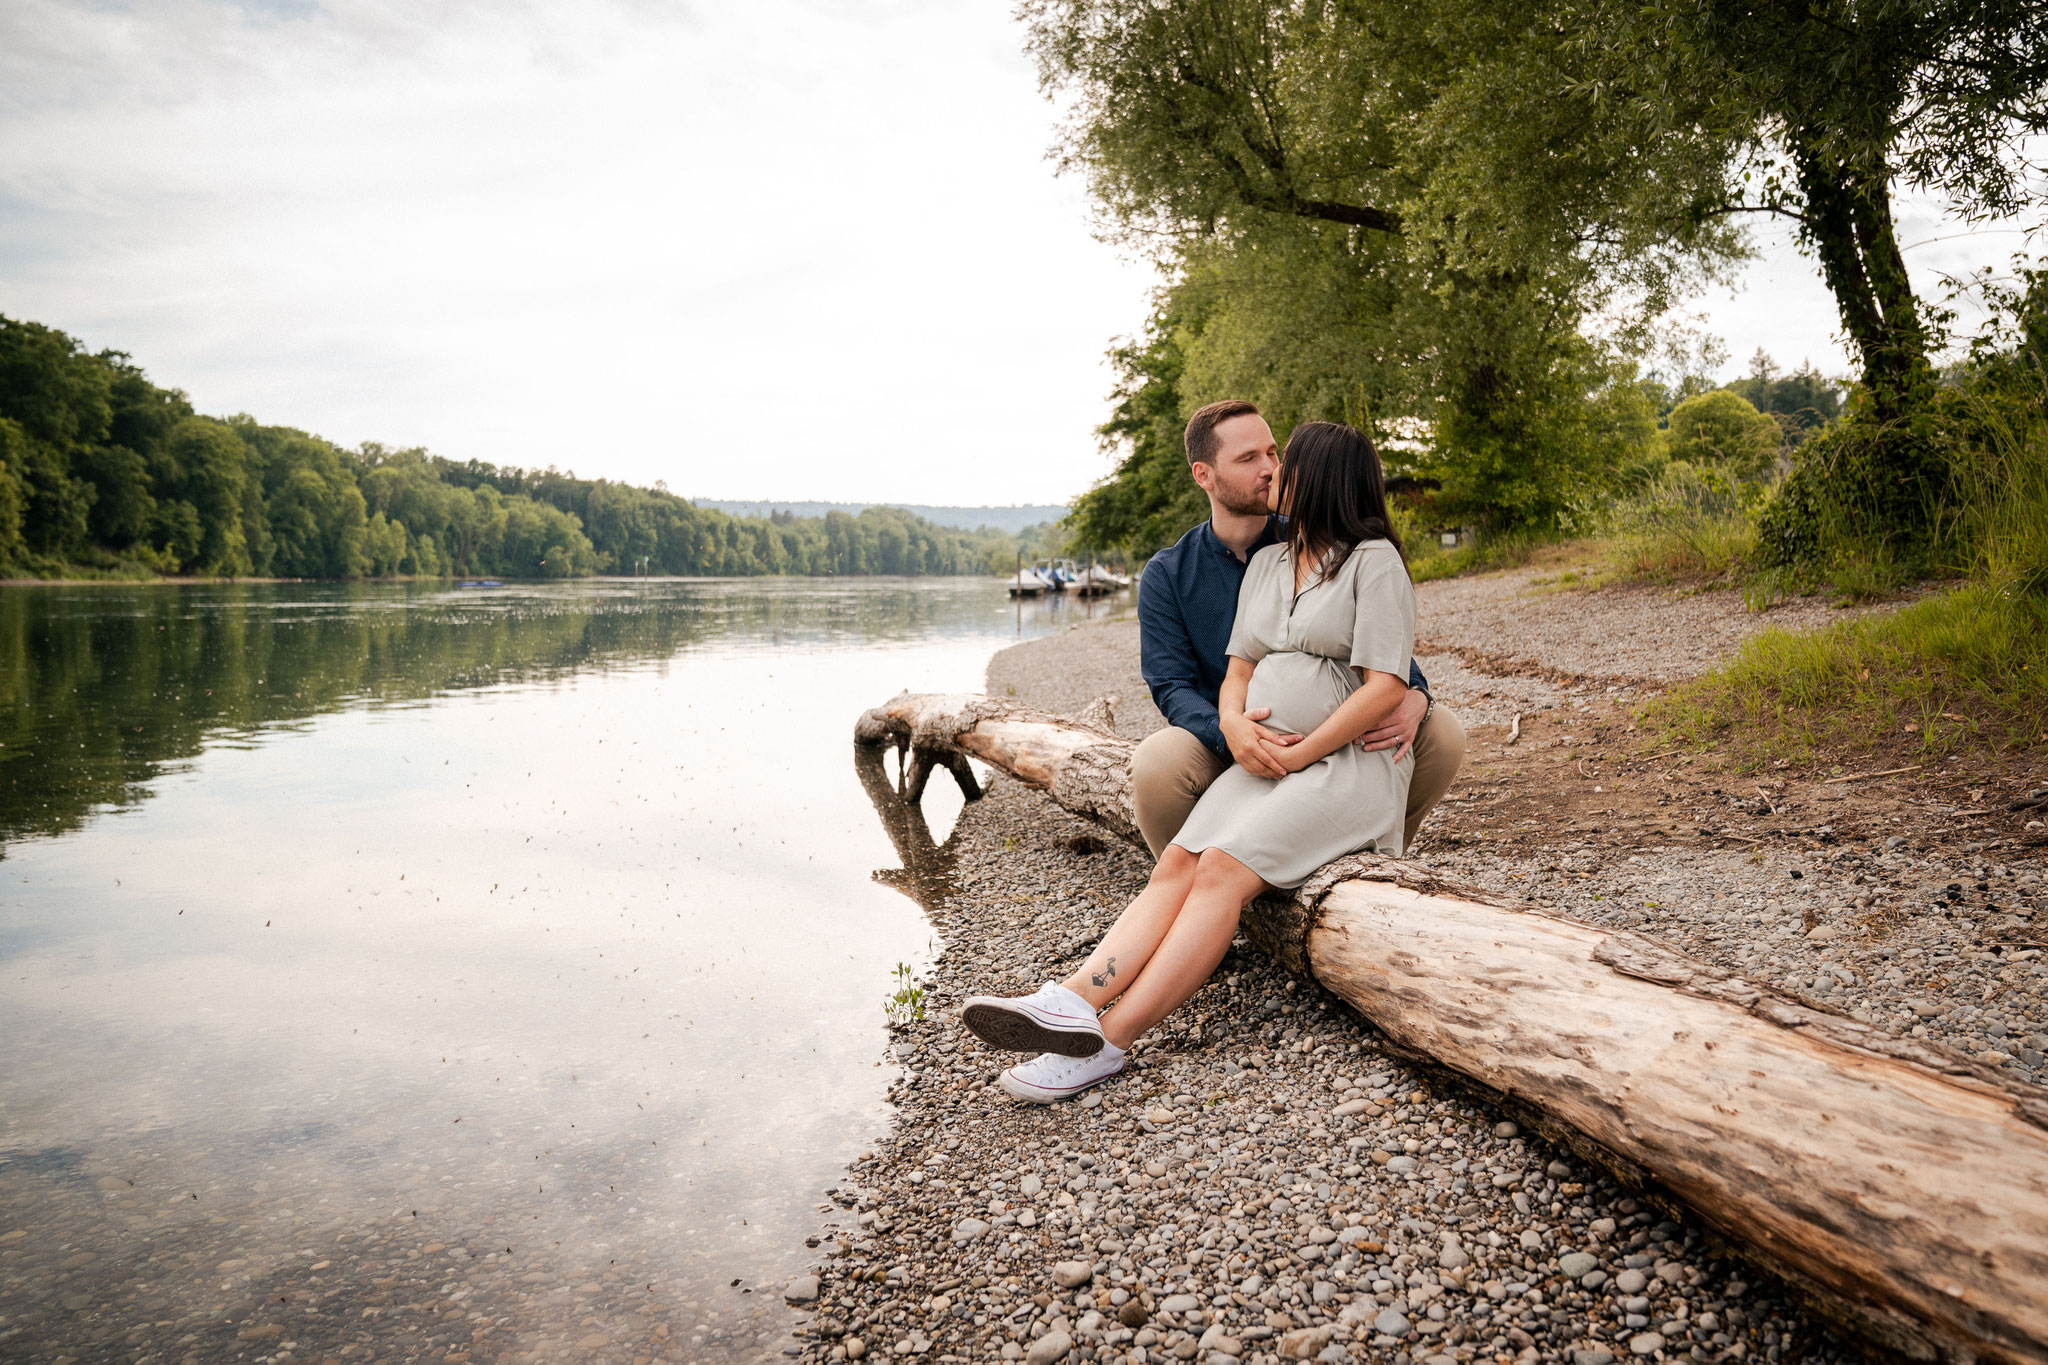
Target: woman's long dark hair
(1334, 495)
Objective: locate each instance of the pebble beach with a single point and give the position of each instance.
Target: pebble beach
(1266, 1181)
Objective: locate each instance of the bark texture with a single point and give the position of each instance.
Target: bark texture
(1904, 1187)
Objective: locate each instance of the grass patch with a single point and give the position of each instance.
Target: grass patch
(1965, 670)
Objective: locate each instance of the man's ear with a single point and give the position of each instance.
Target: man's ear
(1205, 474)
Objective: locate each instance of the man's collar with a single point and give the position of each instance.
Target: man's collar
(1214, 543)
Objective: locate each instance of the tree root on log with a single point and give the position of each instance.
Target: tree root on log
(1901, 1186)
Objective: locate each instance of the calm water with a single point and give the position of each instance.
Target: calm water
(407, 973)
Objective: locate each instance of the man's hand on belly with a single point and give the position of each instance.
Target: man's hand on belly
(1398, 731)
(1257, 749)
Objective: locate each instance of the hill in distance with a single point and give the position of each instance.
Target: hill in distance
(1009, 519)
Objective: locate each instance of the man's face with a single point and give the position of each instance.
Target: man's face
(1241, 477)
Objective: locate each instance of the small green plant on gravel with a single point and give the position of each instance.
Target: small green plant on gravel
(906, 1006)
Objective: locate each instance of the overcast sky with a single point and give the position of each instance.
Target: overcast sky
(755, 248)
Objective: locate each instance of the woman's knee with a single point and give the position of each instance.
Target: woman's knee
(1216, 870)
(1175, 866)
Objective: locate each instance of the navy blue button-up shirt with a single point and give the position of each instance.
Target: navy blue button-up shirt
(1187, 603)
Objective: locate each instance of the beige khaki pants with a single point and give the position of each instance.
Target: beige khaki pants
(1172, 769)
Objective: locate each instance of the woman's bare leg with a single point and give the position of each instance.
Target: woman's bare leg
(1195, 942)
(1138, 931)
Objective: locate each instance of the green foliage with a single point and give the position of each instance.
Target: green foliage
(1382, 215)
(1687, 523)
(1801, 403)
(1150, 500)
(906, 1004)
(1968, 667)
(102, 472)
(1723, 431)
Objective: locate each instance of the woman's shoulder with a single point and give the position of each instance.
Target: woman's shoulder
(1377, 552)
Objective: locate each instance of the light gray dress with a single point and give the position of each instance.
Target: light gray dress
(1304, 650)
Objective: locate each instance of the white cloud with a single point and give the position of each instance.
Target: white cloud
(768, 249)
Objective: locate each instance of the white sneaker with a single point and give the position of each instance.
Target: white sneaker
(1051, 1078)
(1050, 1019)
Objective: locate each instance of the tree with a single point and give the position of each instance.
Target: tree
(1382, 212)
(1721, 430)
(1835, 104)
(1801, 402)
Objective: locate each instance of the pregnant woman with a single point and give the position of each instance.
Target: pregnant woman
(1325, 626)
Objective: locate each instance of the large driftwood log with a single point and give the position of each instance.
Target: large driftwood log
(1902, 1186)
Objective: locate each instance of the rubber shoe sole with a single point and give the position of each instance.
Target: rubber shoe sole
(1003, 1025)
(1018, 1088)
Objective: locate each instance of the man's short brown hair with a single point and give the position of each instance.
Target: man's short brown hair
(1202, 427)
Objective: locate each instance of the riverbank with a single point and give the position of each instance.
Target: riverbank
(1265, 1182)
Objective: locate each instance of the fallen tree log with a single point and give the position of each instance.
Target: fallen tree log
(1903, 1187)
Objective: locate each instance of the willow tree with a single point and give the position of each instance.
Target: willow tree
(1373, 212)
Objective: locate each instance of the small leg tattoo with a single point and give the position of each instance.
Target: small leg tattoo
(1102, 977)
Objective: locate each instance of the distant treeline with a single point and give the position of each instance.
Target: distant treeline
(103, 472)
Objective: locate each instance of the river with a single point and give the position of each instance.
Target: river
(408, 972)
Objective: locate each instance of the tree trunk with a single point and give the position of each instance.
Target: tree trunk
(1849, 225)
(1903, 1187)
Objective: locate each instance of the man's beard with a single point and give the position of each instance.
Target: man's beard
(1247, 504)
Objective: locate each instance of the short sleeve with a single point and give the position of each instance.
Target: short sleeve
(1247, 631)
(1383, 631)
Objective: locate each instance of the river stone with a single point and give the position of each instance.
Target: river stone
(1574, 1264)
(1452, 1257)
(1054, 1346)
(1133, 1314)
(1391, 1323)
(1072, 1274)
(1162, 1117)
(1218, 1338)
(1504, 1129)
(1180, 1303)
(1646, 1343)
(1631, 1281)
(855, 1348)
(967, 1229)
(802, 1289)
(1304, 1342)
(1030, 1185)
(1401, 1165)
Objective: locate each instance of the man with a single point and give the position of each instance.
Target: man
(1187, 602)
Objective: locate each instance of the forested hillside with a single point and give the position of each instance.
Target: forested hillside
(103, 472)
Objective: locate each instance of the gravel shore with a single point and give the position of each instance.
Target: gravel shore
(1265, 1182)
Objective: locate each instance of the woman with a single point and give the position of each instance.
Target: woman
(1325, 626)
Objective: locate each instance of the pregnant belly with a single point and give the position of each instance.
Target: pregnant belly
(1302, 689)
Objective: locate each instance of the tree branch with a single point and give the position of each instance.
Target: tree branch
(1378, 220)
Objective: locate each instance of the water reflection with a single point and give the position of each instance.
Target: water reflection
(404, 974)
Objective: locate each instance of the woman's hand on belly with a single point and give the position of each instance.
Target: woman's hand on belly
(1294, 756)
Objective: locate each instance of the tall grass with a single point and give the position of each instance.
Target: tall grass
(1481, 554)
(1687, 524)
(1965, 668)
